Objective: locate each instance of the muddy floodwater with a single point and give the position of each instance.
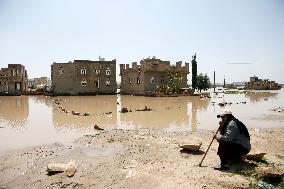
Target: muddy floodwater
(34, 120)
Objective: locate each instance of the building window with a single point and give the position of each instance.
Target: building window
(138, 80)
(60, 71)
(108, 72)
(129, 81)
(154, 65)
(96, 84)
(13, 72)
(97, 71)
(83, 71)
(107, 82)
(17, 72)
(152, 80)
(84, 82)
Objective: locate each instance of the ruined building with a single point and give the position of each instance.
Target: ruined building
(150, 75)
(13, 80)
(259, 84)
(84, 77)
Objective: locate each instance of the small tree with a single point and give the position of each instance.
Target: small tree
(174, 84)
(203, 82)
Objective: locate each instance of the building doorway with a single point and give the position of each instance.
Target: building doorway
(18, 86)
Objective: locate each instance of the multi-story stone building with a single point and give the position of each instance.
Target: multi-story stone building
(13, 80)
(84, 77)
(259, 84)
(150, 75)
(38, 82)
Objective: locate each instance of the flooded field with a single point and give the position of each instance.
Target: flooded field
(34, 120)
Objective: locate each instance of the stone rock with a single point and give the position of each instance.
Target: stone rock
(270, 171)
(98, 128)
(255, 155)
(75, 113)
(193, 144)
(124, 110)
(69, 168)
(145, 109)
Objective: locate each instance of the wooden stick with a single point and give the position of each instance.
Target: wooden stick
(208, 147)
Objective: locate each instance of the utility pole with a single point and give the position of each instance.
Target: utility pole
(224, 82)
(214, 82)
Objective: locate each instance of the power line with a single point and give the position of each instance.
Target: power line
(238, 63)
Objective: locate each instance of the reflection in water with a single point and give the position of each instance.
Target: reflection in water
(14, 109)
(39, 99)
(197, 104)
(96, 106)
(259, 96)
(167, 112)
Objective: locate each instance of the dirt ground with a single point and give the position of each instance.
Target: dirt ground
(143, 158)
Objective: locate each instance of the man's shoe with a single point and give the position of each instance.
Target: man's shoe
(222, 167)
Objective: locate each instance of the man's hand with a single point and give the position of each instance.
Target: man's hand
(217, 137)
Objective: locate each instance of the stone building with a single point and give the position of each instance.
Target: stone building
(150, 75)
(37, 82)
(259, 84)
(84, 77)
(13, 80)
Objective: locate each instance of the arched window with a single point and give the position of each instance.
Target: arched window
(83, 71)
(108, 71)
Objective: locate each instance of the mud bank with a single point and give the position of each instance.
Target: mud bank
(143, 158)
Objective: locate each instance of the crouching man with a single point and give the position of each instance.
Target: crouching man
(233, 138)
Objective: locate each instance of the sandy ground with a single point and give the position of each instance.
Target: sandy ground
(144, 158)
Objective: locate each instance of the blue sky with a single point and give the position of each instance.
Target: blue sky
(36, 33)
